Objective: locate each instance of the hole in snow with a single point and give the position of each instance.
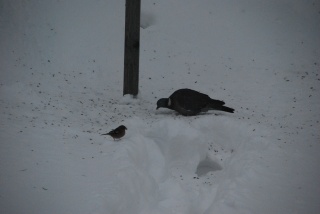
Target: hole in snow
(207, 165)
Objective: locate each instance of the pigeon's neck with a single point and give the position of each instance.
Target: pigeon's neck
(169, 102)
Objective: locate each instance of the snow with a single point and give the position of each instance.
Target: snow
(61, 87)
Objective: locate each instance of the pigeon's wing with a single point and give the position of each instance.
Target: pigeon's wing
(201, 98)
(189, 100)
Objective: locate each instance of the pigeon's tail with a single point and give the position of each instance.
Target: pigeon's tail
(213, 103)
(219, 106)
(224, 108)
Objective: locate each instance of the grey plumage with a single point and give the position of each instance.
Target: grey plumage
(189, 102)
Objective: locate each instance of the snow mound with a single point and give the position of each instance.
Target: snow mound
(164, 167)
(128, 99)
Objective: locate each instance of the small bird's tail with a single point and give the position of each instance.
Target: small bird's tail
(105, 134)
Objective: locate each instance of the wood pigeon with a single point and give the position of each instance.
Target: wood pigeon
(189, 103)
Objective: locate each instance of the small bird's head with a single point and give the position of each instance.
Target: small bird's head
(162, 103)
(122, 127)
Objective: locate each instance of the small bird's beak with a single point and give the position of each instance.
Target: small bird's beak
(157, 108)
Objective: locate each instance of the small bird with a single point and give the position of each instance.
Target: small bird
(118, 132)
(189, 102)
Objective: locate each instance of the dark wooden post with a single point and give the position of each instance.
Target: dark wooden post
(131, 47)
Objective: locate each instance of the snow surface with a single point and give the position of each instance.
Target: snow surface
(61, 80)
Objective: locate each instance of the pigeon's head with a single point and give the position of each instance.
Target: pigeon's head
(162, 103)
